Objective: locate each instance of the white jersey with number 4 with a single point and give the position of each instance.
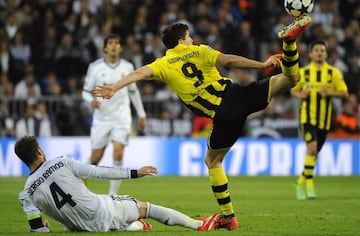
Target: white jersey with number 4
(55, 189)
(115, 110)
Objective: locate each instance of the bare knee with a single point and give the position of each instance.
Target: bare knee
(118, 151)
(96, 156)
(312, 148)
(214, 158)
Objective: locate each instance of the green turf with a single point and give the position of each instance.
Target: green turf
(264, 205)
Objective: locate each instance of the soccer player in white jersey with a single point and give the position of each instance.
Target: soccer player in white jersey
(54, 188)
(111, 118)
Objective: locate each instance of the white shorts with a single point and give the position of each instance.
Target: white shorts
(127, 210)
(101, 135)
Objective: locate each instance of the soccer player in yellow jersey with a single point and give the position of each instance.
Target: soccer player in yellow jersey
(191, 71)
(319, 82)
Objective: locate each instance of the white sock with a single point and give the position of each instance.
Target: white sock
(135, 226)
(171, 217)
(115, 184)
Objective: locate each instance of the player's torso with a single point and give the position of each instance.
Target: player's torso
(118, 107)
(316, 109)
(60, 194)
(189, 71)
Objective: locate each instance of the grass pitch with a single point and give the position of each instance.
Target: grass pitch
(264, 205)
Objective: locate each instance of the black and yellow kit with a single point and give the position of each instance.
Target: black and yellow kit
(191, 73)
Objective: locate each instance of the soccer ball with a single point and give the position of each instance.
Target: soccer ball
(298, 7)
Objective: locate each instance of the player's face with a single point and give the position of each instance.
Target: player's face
(188, 40)
(113, 47)
(318, 53)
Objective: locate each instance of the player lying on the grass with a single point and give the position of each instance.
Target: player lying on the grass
(54, 188)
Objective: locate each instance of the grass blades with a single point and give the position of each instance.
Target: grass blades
(264, 205)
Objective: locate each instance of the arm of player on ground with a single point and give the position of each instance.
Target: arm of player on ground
(108, 91)
(33, 213)
(89, 171)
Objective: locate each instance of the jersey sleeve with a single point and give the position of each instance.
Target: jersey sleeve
(339, 82)
(301, 82)
(89, 84)
(135, 98)
(88, 171)
(156, 66)
(210, 54)
(32, 212)
(27, 205)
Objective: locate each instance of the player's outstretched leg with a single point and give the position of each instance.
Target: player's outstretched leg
(294, 30)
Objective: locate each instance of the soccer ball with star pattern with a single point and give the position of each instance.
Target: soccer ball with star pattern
(298, 7)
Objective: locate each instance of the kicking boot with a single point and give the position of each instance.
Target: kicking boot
(294, 30)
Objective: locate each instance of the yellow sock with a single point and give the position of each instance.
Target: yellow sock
(290, 59)
(309, 183)
(310, 162)
(219, 184)
(301, 180)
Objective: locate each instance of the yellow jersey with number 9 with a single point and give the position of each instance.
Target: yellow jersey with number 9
(191, 73)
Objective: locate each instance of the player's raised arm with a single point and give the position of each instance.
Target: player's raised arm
(107, 91)
(235, 61)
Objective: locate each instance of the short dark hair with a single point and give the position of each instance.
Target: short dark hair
(172, 34)
(25, 149)
(318, 42)
(111, 36)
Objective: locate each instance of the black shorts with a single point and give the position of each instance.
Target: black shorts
(312, 133)
(238, 103)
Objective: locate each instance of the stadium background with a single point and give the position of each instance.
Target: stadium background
(48, 44)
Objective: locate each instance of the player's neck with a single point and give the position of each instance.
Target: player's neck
(112, 59)
(318, 64)
(33, 166)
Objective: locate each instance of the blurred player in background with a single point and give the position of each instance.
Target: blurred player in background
(54, 188)
(191, 72)
(112, 118)
(319, 82)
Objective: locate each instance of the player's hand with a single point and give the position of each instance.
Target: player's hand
(104, 91)
(141, 125)
(274, 60)
(324, 91)
(95, 103)
(147, 170)
(304, 94)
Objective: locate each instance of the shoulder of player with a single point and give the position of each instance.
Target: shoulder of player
(332, 68)
(205, 47)
(99, 61)
(125, 62)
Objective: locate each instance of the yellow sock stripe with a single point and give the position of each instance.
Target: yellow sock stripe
(219, 182)
(290, 65)
(310, 161)
(289, 46)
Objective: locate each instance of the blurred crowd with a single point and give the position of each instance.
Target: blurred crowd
(46, 46)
